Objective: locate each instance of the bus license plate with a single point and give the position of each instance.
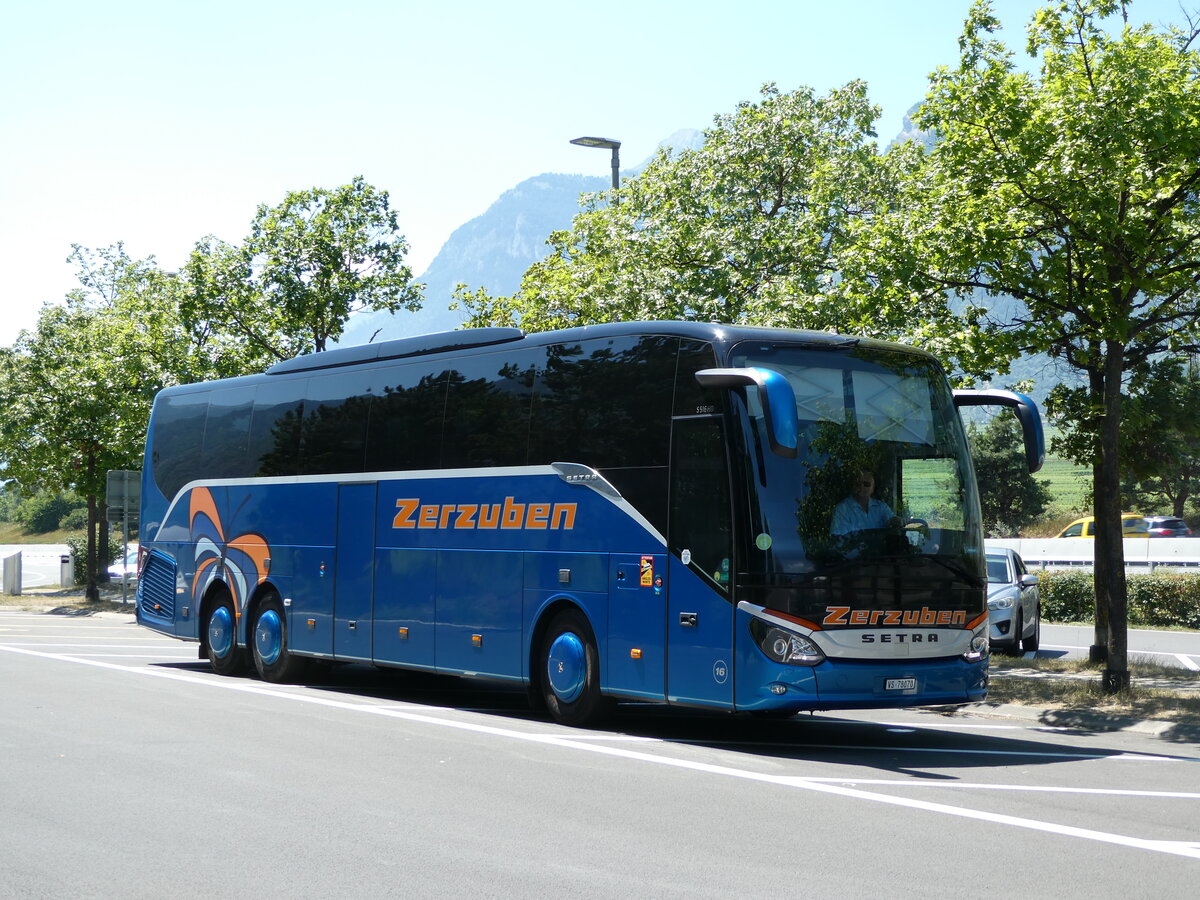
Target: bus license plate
(900, 684)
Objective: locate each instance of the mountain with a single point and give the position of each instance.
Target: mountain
(491, 251)
(494, 249)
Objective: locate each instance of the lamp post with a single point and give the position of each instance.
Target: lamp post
(615, 146)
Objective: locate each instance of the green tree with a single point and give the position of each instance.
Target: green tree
(1009, 496)
(1073, 191)
(1160, 440)
(77, 389)
(68, 411)
(752, 227)
(307, 265)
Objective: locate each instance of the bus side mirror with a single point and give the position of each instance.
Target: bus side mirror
(775, 396)
(1027, 414)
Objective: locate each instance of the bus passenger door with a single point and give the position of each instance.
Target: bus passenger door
(353, 571)
(699, 610)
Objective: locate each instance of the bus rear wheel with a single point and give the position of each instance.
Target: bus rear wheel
(570, 671)
(220, 637)
(275, 663)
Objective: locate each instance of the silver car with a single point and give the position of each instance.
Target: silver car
(1014, 607)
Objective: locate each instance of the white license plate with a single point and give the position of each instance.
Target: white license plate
(900, 684)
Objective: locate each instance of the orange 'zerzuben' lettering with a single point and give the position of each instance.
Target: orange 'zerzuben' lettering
(474, 516)
(845, 615)
(404, 518)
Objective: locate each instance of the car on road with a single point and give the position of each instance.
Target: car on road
(1014, 605)
(1167, 526)
(1132, 525)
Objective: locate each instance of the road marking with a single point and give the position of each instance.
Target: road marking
(1036, 788)
(1183, 659)
(799, 782)
(167, 647)
(872, 748)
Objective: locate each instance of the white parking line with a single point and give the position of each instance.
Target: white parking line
(798, 782)
(1035, 788)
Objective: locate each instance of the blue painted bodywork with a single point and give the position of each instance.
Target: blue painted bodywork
(471, 600)
(459, 571)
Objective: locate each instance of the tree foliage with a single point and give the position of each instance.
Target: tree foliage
(307, 264)
(1074, 191)
(1160, 440)
(752, 227)
(1010, 497)
(77, 389)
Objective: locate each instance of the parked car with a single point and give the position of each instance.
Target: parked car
(1167, 526)
(126, 569)
(1132, 525)
(1014, 606)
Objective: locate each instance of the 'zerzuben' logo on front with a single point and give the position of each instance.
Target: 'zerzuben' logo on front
(468, 516)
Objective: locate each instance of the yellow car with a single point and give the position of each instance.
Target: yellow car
(1132, 525)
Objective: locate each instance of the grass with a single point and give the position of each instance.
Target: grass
(1157, 692)
(12, 533)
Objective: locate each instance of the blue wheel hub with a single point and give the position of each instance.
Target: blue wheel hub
(566, 667)
(220, 632)
(268, 636)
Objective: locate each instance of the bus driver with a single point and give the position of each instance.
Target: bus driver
(860, 511)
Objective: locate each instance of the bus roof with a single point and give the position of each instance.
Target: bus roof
(485, 339)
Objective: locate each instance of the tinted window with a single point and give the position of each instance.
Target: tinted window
(605, 403)
(690, 398)
(274, 447)
(405, 428)
(178, 434)
(487, 411)
(336, 408)
(227, 433)
(701, 527)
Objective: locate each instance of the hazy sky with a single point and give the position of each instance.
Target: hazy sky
(157, 123)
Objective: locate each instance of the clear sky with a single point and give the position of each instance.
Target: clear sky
(157, 123)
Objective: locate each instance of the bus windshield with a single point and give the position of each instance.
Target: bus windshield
(880, 499)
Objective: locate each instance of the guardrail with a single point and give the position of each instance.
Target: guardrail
(1141, 554)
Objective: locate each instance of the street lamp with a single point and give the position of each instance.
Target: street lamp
(615, 146)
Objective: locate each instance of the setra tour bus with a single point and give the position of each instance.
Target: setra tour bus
(722, 517)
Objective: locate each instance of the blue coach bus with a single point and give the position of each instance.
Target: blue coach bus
(653, 512)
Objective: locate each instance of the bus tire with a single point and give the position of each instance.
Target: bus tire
(275, 663)
(220, 637)
(570, 671)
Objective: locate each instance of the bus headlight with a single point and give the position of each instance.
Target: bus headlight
(979, 645)
(785, 647)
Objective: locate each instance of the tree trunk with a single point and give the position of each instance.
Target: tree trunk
(1098, 652)
(91, 591)
(1116, 672)
(102, 542)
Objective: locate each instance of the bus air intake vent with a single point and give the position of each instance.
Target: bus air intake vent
(156, 587)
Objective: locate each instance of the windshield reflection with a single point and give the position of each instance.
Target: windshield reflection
(878, 508)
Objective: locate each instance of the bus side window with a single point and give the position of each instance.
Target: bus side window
(334, 437)
(227, 433)
(177, 439)
(701, 521)
(488, 403)
(404, 431)
(274, 446)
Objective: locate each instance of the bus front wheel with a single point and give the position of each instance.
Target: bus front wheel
(571, 671)
(220, 637)
(275, 663)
